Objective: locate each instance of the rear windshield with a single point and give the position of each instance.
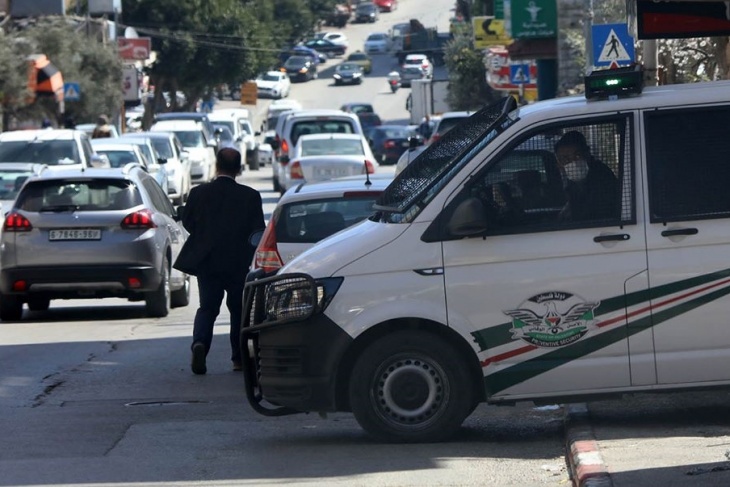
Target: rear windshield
(51, 152)
(163, 148)
(119, 158)
(329, 147)
(191, 138)
(11, 180)
(324, 126)
(81, 195)
(311, 221)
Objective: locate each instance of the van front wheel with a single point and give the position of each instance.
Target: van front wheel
(410, 387)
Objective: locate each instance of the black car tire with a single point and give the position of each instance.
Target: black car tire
(157, 302)
(252, 159)
(410, 386)
(11, 308)
(338, 82)
(38, 304)
(181, 297)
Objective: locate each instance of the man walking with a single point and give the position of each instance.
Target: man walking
(220, 216)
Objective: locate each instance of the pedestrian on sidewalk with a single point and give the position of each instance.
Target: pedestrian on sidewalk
(220, 216)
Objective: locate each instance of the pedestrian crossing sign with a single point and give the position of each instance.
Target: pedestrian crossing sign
(71, 92)
(519, 74)
(612, 45)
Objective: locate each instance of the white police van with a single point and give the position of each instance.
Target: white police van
(472, 283)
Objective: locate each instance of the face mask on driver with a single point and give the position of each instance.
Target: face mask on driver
(576, 170)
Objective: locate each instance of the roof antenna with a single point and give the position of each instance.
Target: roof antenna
(367, 175)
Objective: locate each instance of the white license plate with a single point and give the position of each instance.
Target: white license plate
(331, 173)
(75, 234)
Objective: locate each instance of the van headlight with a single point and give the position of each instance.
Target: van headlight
(298, 297)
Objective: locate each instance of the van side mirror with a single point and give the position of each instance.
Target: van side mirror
(161, 160)
(469, 219)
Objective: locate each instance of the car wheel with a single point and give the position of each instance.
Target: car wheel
(11, 308)
(38, 304)
(337, 82)
(181, 297)
(410, 386)
(158, 301)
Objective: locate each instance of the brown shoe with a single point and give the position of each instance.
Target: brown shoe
(237, 367)
(198, 362)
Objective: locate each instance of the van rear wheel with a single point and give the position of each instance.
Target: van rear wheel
(410, 386)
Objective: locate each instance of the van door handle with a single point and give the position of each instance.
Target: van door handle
(680, 231)
(610, 238)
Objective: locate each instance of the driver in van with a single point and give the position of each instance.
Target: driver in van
(591, 187)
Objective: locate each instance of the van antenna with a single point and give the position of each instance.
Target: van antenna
(367, 175)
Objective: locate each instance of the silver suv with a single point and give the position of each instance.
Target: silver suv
(91, 234)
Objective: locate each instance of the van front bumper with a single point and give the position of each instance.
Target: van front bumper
(293, 362)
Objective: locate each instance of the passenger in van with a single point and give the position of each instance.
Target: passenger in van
(591, 187)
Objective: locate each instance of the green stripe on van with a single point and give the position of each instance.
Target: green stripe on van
(529, 369)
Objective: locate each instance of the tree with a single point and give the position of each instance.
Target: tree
(468, 88)
(94, 65)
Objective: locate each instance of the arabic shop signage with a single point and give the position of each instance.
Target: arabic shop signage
(531, 19)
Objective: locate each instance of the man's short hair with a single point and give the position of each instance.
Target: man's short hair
(228, 161)
(572, 139)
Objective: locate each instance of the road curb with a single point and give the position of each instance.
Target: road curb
(585, 462)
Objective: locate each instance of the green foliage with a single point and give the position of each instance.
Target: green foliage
(93, 65)
(202, 44)
(468, 88)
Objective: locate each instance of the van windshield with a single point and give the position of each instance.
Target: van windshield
(416, 185)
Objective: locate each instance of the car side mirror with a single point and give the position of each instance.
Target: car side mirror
(257, 134)
(161, 160)
(469, 219)
(414, 142)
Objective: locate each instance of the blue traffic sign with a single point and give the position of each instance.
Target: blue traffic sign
(519, 74)
(612, 44)
(71, 92)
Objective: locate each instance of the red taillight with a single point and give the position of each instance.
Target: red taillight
(424, 65)
(295, 171)
(370, 167)
(138, 220)
(20, 286)
(134, 283)
(15, 222)
(389, 144)
(284, 147)
(267, 253)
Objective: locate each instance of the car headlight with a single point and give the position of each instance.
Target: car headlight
(303, 70)
(356, 75)
(336, 76)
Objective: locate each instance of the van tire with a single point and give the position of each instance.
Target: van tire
(418, 375)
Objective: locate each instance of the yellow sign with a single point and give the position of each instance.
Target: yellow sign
(249, 93)
(488, 32)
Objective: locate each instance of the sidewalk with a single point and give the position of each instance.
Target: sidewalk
(649, 441)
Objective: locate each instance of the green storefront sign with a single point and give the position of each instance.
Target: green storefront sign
(531, 19)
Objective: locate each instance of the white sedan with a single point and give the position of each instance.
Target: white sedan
(377, 42)
(320, 157)
(334, 37)
(273, 84)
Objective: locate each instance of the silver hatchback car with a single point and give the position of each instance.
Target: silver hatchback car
(91, 234)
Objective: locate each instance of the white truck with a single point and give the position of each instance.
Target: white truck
(428, 97)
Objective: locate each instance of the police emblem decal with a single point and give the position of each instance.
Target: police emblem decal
(553, 319)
